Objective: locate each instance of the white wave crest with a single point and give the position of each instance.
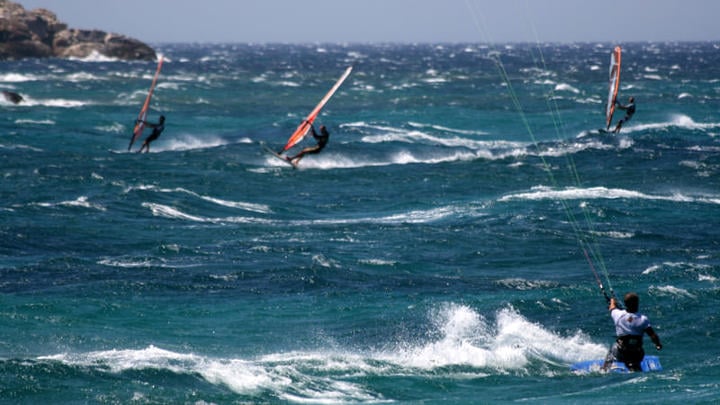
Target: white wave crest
(261, 208)
(187, 142)
(676, 121)
(573, 193)
(566, 87)
(18, 78)
(671, 290)
(509, 343)
(54, 102)
(81, 202)
(170, 212)
(282, 374)
(95, 56)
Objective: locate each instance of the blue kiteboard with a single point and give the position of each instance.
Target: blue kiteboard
(649, 363)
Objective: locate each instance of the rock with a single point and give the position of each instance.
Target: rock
(82, 43)
(39, 34)
(12, 97)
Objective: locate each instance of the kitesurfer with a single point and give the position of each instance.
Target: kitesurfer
(630, 325)
(156, 131)
(322, 140)
(629, 111)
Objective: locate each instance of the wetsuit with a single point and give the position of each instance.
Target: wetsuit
(157, 130)
(321, 139)
(629, 328)
(629, 111)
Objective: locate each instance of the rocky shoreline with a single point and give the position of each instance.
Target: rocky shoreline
(39, 34)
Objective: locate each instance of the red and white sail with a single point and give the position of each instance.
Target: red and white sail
(304, 126)
(613, 84)
(140, 123)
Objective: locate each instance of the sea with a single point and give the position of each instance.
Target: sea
(453, 243)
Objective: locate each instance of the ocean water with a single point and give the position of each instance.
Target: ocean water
(431, 254)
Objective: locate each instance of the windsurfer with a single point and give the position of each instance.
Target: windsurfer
(157, 129)
(629, 111)
(630, 325)
(322, 140)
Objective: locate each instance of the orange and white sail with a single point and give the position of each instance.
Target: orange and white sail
(613, 84)
(304, 126)
(140, 123)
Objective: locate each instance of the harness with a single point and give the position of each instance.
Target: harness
(630, 342)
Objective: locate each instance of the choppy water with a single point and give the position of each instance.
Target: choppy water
(427, 255)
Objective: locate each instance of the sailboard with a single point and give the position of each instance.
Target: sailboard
(649, 363)
(613, 84)
(142, 116)
(304, 126)
(279, 156)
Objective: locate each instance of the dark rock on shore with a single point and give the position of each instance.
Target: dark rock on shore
(12, 97)
(39, 34)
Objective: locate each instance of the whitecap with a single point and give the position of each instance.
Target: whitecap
(284, 374)
(446, 129)
(81, 202)
(379, 262)
(34, 122)
(165, 211)
(573, 193)
(56, 102)
(114, 128)
(510, 342)
(188, 142)
(566, 87)
(81, 77)
(18, 77)
(670, 290)
(706, 277)
(261, 208)
(95, 56)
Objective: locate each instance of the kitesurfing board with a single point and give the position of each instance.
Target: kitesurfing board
(649, 363)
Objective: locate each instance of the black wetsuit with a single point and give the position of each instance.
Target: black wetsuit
(629, 111)
(321, 139)
(157, 130)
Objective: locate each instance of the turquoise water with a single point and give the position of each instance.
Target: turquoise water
(429, 254)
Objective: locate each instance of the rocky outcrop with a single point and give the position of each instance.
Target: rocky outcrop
(39, 34)
(12, 97)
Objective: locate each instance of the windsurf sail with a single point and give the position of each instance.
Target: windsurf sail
(613, 84)
(140, 123)
(304, 126)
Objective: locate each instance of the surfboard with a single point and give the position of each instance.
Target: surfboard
(649, 363)
(142, 116)
(304, 126)
(613, 84)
